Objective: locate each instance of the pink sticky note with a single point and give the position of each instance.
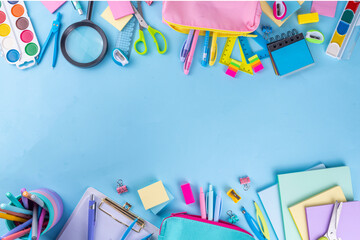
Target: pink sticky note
(325, 8)
(52, 6)
(120, 9)
(149, 2)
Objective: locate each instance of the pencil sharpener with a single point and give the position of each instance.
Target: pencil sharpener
(233, 195)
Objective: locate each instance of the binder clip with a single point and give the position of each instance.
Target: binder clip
(245, 181)
(233, 218)
(121, 188)
(267, 30)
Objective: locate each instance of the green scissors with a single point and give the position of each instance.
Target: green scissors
(142, 24)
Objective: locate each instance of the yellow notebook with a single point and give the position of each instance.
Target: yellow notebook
(298, 214)
(265, 7)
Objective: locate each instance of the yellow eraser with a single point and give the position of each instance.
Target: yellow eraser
(308, 18)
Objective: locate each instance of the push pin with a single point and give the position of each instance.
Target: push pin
(121, 188)
(245, 181)
(233, 218)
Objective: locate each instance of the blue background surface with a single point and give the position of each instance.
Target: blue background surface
(69, 128)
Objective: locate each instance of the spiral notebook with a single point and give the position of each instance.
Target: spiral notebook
(290, 54)
(112, 220)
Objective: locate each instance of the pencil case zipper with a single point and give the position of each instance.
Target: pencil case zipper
(221, 33)
(199, 219)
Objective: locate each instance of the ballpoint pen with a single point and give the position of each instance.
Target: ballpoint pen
(202, 204)
(77, 7)
(186, 46)
(190, 56)
(261, 221)
(253, 224)
(218, 206)
(213, 52)
(205, 56)
(91, 217)
(210, 203)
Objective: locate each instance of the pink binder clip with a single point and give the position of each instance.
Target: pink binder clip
(246, 182)
(121, 188)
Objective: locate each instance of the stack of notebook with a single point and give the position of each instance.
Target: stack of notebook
(300, 205)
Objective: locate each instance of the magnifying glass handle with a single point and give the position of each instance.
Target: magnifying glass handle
(89, 10)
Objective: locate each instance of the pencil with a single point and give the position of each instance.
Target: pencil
(17, 235)
(12, 218)
(17, 228)
(16, 214)
(15, 209)
(24, 199)
(41, 221)
(34, 223)
(14, 200)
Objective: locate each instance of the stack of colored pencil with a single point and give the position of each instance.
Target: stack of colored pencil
(29, 217)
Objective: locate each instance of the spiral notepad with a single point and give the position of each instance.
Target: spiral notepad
(290, 54)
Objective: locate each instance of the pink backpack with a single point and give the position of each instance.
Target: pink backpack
(226, 18)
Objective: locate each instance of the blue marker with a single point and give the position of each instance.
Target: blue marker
(205, 56)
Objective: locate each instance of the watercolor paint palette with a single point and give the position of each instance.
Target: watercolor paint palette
(344, 30)
(18, 41)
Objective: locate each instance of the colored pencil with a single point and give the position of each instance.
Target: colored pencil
(15, 209)
(14, 200)
(12, 218)
(16, 214)
(17, 235)
(17, 228)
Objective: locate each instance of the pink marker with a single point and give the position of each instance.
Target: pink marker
(190, 56)
(202, 204)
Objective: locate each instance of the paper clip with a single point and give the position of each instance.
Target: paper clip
(233, 195)
(245, 181)
(121, 188)
(233, 218)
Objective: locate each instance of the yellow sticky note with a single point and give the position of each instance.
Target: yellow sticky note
(153, 195)
(118, 24)
(298, 211)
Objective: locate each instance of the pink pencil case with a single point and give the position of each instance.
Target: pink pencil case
(226, 18)
(182, 226)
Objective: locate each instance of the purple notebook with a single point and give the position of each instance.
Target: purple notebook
(318, 219)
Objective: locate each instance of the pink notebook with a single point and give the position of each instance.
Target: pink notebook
(318, 219)
(120, 9)
(52, 6)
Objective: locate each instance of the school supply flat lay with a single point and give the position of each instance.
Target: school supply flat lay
(84, 44)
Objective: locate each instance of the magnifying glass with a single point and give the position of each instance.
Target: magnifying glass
(84, 44)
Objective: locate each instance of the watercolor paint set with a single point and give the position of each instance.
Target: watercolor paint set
(18, 41)
(344, 30)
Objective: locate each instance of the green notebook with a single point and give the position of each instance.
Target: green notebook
(297, 187)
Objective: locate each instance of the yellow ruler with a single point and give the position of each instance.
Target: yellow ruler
(226, 56)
